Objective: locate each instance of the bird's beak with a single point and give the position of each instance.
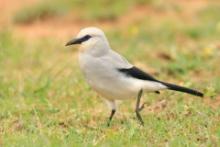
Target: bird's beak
(74, 41)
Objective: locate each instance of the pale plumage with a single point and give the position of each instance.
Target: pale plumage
(111, 75)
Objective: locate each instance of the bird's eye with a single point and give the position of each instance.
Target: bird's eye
(87, 37)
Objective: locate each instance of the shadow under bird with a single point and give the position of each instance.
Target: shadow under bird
(112, 76)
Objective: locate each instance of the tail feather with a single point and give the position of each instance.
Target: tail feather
(183, 89)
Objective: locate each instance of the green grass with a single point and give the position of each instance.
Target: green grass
(45, 101)
(41, 11)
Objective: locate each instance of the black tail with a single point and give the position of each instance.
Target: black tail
(183, 89)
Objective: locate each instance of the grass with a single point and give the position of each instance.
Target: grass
(44, 100)
(97, 10)
(41, 11)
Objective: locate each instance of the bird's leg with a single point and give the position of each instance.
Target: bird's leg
(112, 106)
(138, 108)
(111, 116)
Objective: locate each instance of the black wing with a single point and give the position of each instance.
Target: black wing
(137, 73)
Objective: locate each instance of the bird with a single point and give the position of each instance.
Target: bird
(112, 76)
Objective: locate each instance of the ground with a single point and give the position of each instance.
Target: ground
(45, 101)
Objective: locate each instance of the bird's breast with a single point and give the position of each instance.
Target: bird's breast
(105, 79)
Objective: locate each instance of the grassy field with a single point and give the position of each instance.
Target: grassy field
(45, 101)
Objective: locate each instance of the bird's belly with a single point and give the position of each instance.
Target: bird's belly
(112, 88)
(109, 84)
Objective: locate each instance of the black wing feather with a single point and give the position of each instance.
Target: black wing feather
(137, 73)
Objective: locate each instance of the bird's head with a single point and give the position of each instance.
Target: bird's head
(90, 38)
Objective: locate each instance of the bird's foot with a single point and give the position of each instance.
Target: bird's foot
(139, 117)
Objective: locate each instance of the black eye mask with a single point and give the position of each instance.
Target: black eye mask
(85, 38)
(78, 40)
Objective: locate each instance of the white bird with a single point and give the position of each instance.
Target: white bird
(112, 76)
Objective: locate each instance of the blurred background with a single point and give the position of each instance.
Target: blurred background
(45, 100)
